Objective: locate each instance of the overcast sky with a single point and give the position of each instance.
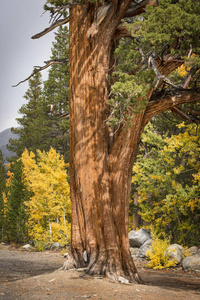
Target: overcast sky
(19, 20)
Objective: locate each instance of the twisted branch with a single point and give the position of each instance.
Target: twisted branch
(53, 26)
(38, 69)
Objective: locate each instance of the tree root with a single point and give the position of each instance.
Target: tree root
(101, 267)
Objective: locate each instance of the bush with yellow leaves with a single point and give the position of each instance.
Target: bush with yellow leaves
(158, 253)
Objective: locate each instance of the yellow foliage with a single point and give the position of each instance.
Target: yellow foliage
(9, 175)
(184, 69)
(158, 254)
(168, 195)
(49, 204)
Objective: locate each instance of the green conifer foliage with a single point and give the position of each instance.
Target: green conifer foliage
(16, 213)
(33, 125)
(2, 198)
(39, 127)
(56, 92)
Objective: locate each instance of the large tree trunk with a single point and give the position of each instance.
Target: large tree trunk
(101, 163)
(100, 174)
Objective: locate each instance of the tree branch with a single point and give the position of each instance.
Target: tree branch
(183, 115)
(138, 8)
(53, 26)
(159, 77)
(114, 3)
(188, 77)
(168, 100)
(38, 69)
(61, 115)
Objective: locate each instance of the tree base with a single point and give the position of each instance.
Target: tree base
(110, 270)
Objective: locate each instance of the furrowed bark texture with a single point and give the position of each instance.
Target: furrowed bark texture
(100, 165)
(99, 203)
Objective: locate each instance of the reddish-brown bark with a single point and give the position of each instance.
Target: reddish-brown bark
(100, 165)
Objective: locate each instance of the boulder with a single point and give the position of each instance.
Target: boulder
(175, 251)
(192, 251)
(55, 245)
(134, 251)
(138, 238)
(191, 263)
(146, 246)
(26, 247)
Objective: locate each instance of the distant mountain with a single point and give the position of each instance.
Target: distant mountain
(4, 140)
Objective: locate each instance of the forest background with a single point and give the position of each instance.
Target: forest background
(34, 187)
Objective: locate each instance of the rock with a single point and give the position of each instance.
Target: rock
(134, 251)
(138, 238)
(66, 255)
(27, 247)
(31, 242)
(85, 258)
(146, 246)
(192, 251)
(191, 263)
(123, 280)
(55, 245)
(175, 251)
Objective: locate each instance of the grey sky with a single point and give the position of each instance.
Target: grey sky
(19, 20)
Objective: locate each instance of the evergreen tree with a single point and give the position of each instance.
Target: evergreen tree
(16, 215)
(2, 195)
(33, 133)
(40, 129)
(56, 90)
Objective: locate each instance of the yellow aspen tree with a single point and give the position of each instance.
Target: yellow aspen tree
(49, 205)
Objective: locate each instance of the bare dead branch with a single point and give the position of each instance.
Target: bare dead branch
(159, 77)
(38, 69)
(53, 26)
(60, 114)
(188, 77)
(190, 52)
(102, 12)
(61, 35)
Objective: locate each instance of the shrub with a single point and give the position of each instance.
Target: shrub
(158, 254)
(39, 246)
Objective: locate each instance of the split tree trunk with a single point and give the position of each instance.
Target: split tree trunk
(100, 170)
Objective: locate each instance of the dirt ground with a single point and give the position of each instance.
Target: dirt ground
(35, 275)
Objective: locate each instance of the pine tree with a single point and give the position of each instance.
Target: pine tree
(56, 89)
(2, 195)
(40, 129)
(33, 128)
(16, 212)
